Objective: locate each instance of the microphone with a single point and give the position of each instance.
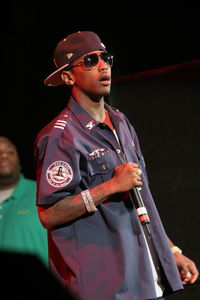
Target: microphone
(139, 205)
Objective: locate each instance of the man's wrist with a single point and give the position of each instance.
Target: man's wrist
(176, 249)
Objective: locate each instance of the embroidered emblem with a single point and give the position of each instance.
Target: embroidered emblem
(60, 124)
(90, 125)
(23, 212)
(97, 153)
(69, 55)
(59, 174)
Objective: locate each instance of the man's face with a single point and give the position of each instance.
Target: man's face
(95, 82)
(9, 162)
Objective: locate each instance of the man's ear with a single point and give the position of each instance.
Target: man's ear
(67, 77)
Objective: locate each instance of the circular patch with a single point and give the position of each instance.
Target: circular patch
(59, 174)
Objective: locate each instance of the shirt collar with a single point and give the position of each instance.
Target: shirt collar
(85, 119)
(19, 187)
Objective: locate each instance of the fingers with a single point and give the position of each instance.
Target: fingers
(192, 273)
(135, 168)
(189, 277)
(188, 270)
(127, 176)
(136, 173)
(194, 277)
(185, 276)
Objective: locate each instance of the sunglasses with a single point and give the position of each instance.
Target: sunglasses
(90, 61)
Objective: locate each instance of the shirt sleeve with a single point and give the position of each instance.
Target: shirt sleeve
(57, 169)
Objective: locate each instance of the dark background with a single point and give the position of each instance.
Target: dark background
(141, 37)
(163, 106)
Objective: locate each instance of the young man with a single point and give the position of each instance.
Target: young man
(88, 161)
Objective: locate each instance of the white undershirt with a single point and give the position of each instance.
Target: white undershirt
(159, 291)
(5, 194)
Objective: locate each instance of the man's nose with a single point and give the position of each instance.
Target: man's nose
(3, 155)
(103, 66)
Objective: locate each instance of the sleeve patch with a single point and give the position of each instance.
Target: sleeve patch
(59, 174)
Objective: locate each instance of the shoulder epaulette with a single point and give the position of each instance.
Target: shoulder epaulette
(61, 121)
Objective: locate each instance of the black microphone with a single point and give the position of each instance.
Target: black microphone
(139, 205)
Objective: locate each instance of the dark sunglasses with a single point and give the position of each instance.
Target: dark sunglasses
(91, 60)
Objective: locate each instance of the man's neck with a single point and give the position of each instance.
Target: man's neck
(94, 108)
(9, 183)
(7, 186)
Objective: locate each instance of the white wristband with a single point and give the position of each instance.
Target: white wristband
(176, 249)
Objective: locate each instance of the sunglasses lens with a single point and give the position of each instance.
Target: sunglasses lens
(90, 61)
(107, 58)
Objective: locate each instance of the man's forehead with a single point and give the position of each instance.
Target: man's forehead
(5, 141)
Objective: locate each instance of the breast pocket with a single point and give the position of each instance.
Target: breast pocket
(102, 167)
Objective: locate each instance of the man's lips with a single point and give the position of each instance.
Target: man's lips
(3, 164)
(105, 80)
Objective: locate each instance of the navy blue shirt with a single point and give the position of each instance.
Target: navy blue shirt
(102, 255)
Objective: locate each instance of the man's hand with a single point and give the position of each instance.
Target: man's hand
(127, 176)
(187, 268)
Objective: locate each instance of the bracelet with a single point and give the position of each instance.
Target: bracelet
(176, 249)
(85, 200)
(88, 201)
(91, 202)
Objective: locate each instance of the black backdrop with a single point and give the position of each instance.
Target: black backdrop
(164, 107)
(141, 37)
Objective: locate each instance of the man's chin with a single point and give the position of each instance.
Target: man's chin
(5, 175)
(99, 98)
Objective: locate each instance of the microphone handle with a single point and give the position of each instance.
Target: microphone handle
(139, 205)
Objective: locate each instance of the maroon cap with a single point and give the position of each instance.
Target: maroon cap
(71, 48)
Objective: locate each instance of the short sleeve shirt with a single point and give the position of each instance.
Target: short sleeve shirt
(100, 255)
(20, 227)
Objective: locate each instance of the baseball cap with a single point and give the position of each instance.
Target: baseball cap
(71, 48)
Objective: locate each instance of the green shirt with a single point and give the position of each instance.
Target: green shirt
(20, 227)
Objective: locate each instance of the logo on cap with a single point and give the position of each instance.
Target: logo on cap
(69, 55)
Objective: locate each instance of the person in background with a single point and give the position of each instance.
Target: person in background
(20, 227)
(88, 161)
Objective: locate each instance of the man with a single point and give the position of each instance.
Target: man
(88, 162)
(20, 229)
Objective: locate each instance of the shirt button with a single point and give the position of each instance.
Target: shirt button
(118, 151)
